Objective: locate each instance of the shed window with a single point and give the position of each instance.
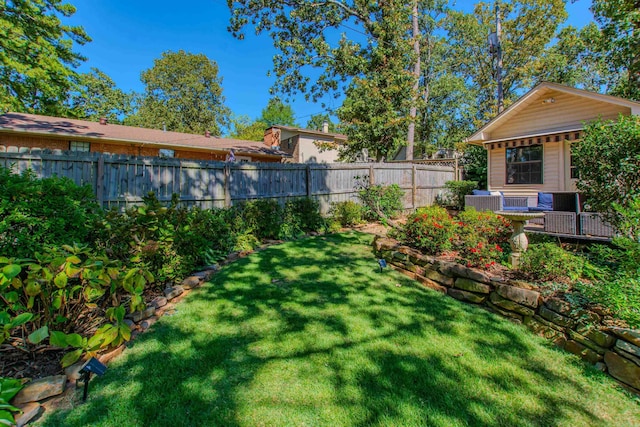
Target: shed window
(79, 146)
(166, 153)
(524, 165)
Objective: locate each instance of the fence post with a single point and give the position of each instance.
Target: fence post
(413, 187)
(227, 185)
(371, 178)
(100, 180)
(457, 171)
(308, 169)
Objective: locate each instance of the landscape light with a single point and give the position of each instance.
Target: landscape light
(93, 365)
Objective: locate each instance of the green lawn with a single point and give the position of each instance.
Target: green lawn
(309, 333)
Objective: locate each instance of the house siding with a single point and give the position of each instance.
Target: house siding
(567, 112)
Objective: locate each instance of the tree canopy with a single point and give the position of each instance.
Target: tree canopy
(183, 93)
(277, 113)
(37, 59)
(96, 95)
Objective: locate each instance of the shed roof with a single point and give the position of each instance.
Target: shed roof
(337, 136)
(34, 124)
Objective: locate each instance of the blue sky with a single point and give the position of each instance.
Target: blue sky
(129, 34)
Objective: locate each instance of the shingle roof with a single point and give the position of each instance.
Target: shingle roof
(37, 124)
(337, 136)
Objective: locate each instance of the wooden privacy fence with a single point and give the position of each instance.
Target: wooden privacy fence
(120, 181)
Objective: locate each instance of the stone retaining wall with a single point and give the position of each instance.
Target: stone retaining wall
(590, 334)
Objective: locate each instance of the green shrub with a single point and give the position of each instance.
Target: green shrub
(262, 217)
(620, 293)
(301, 215)
(347, 213)
(456, 190)
(38, 212)
(9, 387)
(380, 202)
(482, 238)
(430, 229)
(548, 262)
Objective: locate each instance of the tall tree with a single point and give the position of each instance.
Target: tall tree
(374, 63)
(620, 24)
(183, 93)
(528, 28)
(97, 95)
(277, 113)
(37, 60)
(245, 128)
(316, 122)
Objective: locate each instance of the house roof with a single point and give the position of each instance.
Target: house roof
(534, 95)
(34, 124)
(337, 136)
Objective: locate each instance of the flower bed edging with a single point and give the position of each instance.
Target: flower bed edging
(586, 333)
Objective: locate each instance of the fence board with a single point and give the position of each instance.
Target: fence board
(126, 180)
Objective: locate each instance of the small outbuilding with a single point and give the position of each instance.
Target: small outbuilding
(529, 144)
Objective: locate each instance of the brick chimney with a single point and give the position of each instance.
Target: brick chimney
(207, 134)
(325, 127)
(103, 120)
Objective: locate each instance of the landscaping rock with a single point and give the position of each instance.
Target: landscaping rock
(137, 316)
(520, 295)
(506, 313)
(548, 324)
(422, 260)
(457, 270)
(191, 282)
(629, 335)
(471, 286)
(41, 389)
(543, 330)
(399, 256)
(146, 324)
(601, 366)
(559, 306)
(586, 342)
(109, 356)
(629, 356)
(29, 411)
(601, 338)
(466, 296)
(130, 323)
(431, 284)
(172, 292)
(158, 302)
(556, 318)
(407, 273)
(73, 372)
(439, 277)
(584, 352)
(628, 347)
(622, 369)
(510, 305)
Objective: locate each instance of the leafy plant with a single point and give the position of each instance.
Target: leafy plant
(39, 212)
(482, 238)
(455, 192)
(430, 229)
(301, 216)
(548, 261)
(380, 202)
(347, 213)
(8, 389)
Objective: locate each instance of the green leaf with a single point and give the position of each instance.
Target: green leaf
(61, 280)
(21, 319)
(71, 358)
(12, 270)
(6, 418)
(11, 297)
(75, 340)
(96, 341)
(4, 260)
(125, 331)
(9, 387)
(74, 259)
(38, 335)
(58, 339)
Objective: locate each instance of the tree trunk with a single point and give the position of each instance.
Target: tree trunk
(416, 84)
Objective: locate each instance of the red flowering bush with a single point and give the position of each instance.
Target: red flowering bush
(482, 238)
(430, 229)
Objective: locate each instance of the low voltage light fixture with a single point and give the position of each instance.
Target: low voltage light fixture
(549, 101)
(382, 263)
(93, 365)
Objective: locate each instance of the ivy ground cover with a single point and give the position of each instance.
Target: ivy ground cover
(311, 333)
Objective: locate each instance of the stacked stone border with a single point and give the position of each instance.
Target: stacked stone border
(584, 332)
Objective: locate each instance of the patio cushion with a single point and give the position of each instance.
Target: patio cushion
(545, 203)
(513, 208)
(481, 192)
